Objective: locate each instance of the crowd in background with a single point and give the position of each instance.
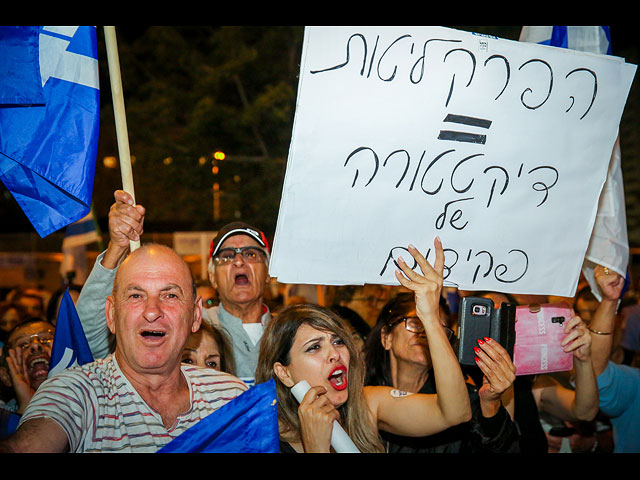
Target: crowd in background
(359, 307)
(381, 360)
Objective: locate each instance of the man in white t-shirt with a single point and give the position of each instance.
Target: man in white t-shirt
(141, 397)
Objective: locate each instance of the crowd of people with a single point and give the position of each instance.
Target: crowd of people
(380, 360)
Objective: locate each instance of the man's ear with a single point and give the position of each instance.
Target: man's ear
(283, 374)
(109, 310)
(197, 315)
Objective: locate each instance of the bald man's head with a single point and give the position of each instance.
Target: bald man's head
(154, 253)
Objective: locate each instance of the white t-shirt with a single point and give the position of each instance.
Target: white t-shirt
(254, 330)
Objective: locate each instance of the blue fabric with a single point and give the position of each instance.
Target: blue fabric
(70, 346)
(48, 151)
(20, 82)
(559, 37)
(8, 422)
(247, 424)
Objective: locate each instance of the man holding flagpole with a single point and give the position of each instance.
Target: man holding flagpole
(240, 280)
(141, 397)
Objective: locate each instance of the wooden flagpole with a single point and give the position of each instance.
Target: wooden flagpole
(120, 116)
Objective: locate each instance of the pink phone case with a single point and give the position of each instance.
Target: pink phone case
(539, 333)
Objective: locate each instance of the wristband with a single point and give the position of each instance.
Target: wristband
(597, 332)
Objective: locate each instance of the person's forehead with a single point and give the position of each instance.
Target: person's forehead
(202, 340)
(239, 240)
(154, 266)
(30, 329)
(307, 332)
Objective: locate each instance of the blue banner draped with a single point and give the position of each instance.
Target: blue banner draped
(247, 424)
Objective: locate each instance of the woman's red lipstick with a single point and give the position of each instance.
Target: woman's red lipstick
(338, 378)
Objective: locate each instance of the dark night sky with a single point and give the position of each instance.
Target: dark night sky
(624, 43)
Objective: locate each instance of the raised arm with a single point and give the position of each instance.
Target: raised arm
(603, 323)
(125, 224)
(582, 403)
(418, 414)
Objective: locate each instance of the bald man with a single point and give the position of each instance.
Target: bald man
(140, 397)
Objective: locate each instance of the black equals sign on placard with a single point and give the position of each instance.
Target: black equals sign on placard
(465, 136)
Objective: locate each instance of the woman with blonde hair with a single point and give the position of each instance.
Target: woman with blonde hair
(311, 343)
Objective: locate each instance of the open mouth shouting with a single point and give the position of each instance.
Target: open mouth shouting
(241, 279)
(338, 378)
(37, 369)
(152, 335)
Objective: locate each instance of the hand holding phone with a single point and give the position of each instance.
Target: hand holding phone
(478, 319)
(540, 332)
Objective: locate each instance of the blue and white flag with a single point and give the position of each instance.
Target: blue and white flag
(74, 247)
(609, 244)
(83, 232)
(584, 39)
(49, 135)
(247, 424)
(70, 346)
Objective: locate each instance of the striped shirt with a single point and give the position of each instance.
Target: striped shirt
(100, 411)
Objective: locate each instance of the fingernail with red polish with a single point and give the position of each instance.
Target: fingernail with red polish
(480, 341)
(476, 349)
(477, 359)
(487, 339)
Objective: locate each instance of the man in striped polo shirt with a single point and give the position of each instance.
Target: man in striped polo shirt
(140, 397)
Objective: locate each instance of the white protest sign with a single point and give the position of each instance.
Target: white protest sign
(402, 134)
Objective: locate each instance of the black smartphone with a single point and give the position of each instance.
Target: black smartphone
(479, 318)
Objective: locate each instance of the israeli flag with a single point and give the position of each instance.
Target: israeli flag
(583, 39)
(49, 121)
(247, 424)
(70, 346)
(609, 243)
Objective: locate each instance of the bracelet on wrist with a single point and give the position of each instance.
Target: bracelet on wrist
(598, 332)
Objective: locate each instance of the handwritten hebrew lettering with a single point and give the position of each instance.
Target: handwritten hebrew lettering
(401, 134)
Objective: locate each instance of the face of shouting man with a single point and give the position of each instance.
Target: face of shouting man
(34, 339)
(153, 310)
(240, 276)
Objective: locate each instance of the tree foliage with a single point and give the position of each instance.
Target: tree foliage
(191, 91)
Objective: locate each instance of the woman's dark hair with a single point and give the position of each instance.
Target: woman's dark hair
(377, 369)
(225, 347)
(354, 319)
(377, 366)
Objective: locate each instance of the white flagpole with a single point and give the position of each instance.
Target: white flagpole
(120, 117)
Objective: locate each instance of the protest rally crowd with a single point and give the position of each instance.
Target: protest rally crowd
(380, 360)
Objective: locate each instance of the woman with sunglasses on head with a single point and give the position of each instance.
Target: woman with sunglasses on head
(399, 354)
(311, 343)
